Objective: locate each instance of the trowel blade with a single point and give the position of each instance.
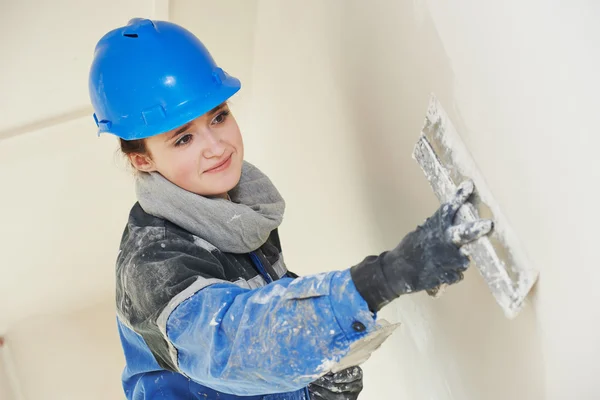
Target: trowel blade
(446, 162)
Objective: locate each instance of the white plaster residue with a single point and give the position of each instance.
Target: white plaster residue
(326, 365)
(419, 340)
(318, 285)
(510, 276)
(316, 280)
(204, 244)
(465, 164)
(263, 296)
(415, 324)
(216, 320)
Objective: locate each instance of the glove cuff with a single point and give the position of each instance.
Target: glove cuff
(371, 283)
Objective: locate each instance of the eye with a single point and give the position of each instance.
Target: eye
(221, 117)
(185, 139)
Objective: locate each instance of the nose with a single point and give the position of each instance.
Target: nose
(213, 147)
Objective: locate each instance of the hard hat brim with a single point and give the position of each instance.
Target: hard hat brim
(182, 113)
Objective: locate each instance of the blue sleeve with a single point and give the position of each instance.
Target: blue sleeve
(278, 338)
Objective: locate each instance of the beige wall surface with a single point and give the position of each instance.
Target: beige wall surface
(334, 96)
(68, 356)
(6, 392)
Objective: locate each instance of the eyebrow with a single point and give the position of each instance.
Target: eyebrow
(180, 130)
(185, 127)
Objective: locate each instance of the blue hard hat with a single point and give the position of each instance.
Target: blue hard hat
(149, 77)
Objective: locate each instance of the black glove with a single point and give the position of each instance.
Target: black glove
(343, 385)
(425, 259)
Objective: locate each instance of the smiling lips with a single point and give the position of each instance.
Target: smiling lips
(221, 166)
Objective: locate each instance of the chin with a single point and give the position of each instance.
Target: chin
(223, 182)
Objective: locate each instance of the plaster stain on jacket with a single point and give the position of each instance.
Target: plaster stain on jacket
(216, 320)
(326, 366)
(264, 298)
(167, 301)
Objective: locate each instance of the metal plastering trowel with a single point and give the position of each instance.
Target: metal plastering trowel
(446, 162)
(499, 257)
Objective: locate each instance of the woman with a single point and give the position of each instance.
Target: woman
(206, 306)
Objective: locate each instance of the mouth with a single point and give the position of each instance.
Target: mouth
(221, 166)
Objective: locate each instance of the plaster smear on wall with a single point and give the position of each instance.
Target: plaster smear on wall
(426, 373)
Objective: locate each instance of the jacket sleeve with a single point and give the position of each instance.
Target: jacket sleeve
(274, 339)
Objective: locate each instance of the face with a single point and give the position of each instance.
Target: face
(203, 156)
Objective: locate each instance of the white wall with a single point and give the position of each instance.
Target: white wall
(47, 48)
(64, 204)
(526, 86)
(65, 198)
(63, 195)
(334, 95)
(68, 356)
(5, 387)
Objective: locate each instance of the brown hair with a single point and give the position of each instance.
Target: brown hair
(133, 146)
(129, 147)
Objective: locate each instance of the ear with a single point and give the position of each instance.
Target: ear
(142, 162)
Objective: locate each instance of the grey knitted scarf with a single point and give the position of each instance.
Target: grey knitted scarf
(238, 226)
